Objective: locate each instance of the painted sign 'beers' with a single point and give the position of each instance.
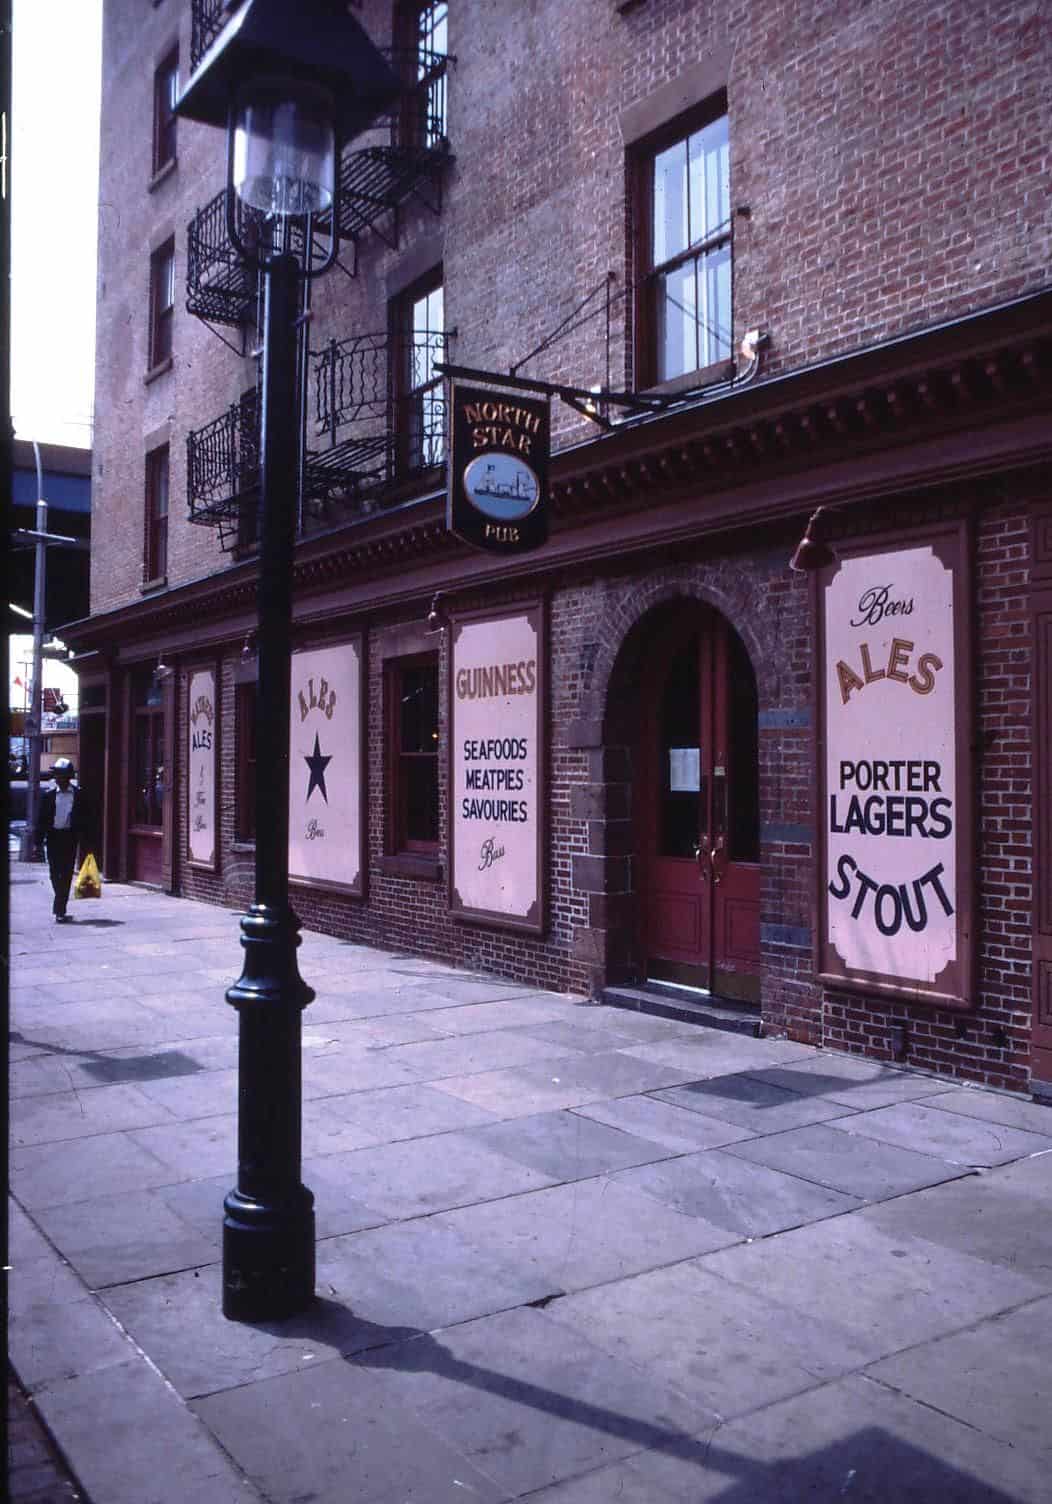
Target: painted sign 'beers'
(891, 771)
(498, 469)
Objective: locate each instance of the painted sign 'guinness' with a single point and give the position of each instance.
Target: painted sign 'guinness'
(498, 469)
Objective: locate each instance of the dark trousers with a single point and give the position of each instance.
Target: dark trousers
(61, 859)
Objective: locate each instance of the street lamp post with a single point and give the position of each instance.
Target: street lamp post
(289, 88)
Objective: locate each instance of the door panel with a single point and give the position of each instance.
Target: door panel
(698, 830)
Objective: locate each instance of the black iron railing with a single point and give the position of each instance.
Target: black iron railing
(222, 472)
(375, 420)
(207, 19)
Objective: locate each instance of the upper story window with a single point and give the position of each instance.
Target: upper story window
(165, 93)
(412, 755)
(426, 40)
(162, 303)
(685, 320)
(155, 556)
(419, 343)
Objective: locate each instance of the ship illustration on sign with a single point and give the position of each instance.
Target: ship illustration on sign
(501, 486)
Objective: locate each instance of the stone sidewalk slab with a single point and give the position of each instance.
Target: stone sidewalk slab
(825, 1154)
(950, 1136)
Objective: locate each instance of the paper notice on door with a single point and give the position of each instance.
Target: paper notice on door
(684, 770)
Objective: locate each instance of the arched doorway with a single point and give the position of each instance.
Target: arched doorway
(697, 807)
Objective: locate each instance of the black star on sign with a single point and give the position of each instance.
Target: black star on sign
(317, 765)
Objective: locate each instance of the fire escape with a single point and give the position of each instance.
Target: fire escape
(372, 414)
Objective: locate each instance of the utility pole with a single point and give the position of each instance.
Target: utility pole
(34, 720)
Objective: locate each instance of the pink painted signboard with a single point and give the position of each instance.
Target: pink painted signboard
(497, 762)
(325, 767)
(896, 809)
(201, 768)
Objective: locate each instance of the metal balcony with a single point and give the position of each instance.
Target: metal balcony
(222, 472)
(377, 416)
(220, 288)
(375, 423)
(407, 154)
(207, 19)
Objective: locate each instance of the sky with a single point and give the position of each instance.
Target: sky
(56, 72)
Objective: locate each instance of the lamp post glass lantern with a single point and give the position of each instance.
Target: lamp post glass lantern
(289, 88)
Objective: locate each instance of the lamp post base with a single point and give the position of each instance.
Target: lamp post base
(268, 1257)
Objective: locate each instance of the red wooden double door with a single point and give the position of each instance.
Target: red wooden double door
(697, 808)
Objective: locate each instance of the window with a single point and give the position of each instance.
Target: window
(162, 303)
(155, 559)
(426, 41)
(420, 342)
(165, 93)
(245, 785)
(412, 747)
(147, 751)
(686, 317)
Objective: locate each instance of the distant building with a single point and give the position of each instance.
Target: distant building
(786, 256)
(66, 474)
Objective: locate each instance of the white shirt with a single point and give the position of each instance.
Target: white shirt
(63, 808)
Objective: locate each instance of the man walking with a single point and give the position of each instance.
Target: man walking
(61, 825)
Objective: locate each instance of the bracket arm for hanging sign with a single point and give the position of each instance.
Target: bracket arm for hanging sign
(588, 402)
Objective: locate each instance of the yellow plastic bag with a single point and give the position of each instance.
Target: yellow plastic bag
(89, 883)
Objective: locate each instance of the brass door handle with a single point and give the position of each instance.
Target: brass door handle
(717, 851)
(702, 861)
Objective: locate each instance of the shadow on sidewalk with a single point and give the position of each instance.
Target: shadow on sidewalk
(869, 1465)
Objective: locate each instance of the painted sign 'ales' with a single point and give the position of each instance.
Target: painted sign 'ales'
(498, 469)
(895, 805)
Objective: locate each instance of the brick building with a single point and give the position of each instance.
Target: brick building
(800, 252)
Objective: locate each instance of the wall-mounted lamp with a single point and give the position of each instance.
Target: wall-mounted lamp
(437, 621)
(813, 551)
(248, 648)
(163, 670)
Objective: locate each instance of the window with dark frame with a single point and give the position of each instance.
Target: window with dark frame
(147, 751)
(165, 93)
(245, 781)
(155, 559)
(419, 343)
(685, 223)
(162, 303)
(412, 755)
(424, 29)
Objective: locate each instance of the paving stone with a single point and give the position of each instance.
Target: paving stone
(947, 1135)
(399, 1112)
(998, 1107)
(136, 1235)
(524, 1090)
(675, 1127)
(856, 1083)
(493, 1049)
(332, 1435)
(135, 1443)
(343, 1068)
(205, 1146)
(413, 1178)
(701, 1053)
(420, 1275)
(829, 1156)
(586, 1233)
(528, 1400)
(64, 1341)
(749, 1200)
(889, 1289)
(566, 1146)
(526, 1011)
(988, 1215)
(54, 1174)
(737, 1352)
(993, 1377)
(70, 1115)
(753, 1104)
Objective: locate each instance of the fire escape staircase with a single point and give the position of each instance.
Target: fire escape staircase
(358, 435)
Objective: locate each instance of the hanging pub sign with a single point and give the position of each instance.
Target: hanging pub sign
(498, 469)
(326, 828)
(896, 900)
(497, 767)
(201, 765)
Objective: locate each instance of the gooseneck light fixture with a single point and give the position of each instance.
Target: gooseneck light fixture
(290, 84)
